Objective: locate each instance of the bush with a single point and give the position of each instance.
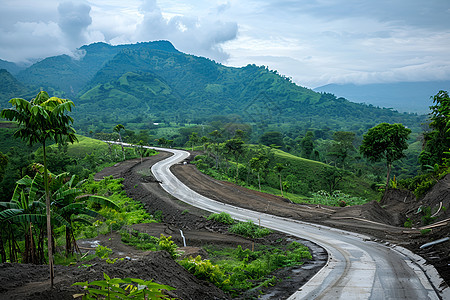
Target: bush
(140, 240)
(127, 288)
(204, 269)
(249, 229)
(223, 218)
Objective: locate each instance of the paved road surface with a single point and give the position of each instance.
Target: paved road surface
(357, 268)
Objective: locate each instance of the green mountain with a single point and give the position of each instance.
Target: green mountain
(153, 81)
(10, 87)
(70, 74)
(204, 88)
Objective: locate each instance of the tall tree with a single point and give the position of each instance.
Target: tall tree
(342, 146)
(307, 145)
(117, 129)
(235, 148)
(259, 163)
(279, 167)
(385, 141)
(193, 139)
(216, 135)
(437, 141)
(41, 120)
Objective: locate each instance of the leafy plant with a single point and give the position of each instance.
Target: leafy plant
(140, 240)
(336, 198)
(408, 223)
(102, 251)
(204, 269)
(247, 269)
(165, 243)
(427, 219)
(113, 288)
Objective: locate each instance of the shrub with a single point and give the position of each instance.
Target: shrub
(140, 240)
(117, 288)
(223, 218)
(249, 229)
(204, 269)
(408, 223)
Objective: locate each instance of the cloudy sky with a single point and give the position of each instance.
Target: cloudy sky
(313, 41)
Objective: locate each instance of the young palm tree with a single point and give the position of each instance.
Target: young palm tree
(40, 120)
(117, 129)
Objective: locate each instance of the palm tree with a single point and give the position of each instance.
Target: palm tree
(117, 129)
(42, 119)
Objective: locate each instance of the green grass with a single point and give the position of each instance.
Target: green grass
(236, 269)
(310, 172)
(86, 146)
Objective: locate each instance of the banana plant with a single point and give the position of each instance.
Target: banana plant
(71, 204)
(26, 214)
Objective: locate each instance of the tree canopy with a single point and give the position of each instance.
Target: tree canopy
(437, 141)
(385, 142)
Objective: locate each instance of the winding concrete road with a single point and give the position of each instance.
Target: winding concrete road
(356, 269)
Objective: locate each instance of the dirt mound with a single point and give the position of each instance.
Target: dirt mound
(25, 281)
(371, 211)
(438, 199)
(195, 238)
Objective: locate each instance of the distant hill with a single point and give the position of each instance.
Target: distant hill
(411, 97)
(10, 87)
(10, 67)
(153, 81)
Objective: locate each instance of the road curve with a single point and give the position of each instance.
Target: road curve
(357, 268)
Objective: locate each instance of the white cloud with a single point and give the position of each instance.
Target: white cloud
(314, 42)
(73, 19)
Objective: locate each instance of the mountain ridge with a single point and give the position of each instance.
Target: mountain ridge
(147, 81)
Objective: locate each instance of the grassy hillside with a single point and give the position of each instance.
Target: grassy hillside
(70, 74)
(314, 175)
(84, 147)
(300, 177)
